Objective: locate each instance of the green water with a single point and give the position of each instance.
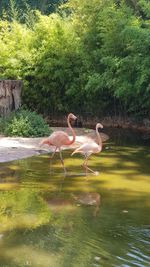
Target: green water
(44, 222)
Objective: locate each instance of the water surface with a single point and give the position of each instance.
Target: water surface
(49, 220)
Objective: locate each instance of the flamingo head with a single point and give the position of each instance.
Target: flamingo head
(72, 116)
(99, 125)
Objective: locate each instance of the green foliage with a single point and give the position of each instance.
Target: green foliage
(13, 6)
(84, 59)
(117, 45)
(24, 123)
(14, 14)
(56, 73)
(15, 45)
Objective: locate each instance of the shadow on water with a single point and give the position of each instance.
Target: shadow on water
(50, 220)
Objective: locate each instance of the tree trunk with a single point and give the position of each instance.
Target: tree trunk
(10, 96)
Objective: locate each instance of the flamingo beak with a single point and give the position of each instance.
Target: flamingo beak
(101, 126)
(73, 117)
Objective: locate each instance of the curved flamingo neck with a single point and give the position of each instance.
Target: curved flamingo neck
(72, 131)
(98, 137)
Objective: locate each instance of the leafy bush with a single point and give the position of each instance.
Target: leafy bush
(81, 65)
(24, 123)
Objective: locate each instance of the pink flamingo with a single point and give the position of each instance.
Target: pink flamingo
(89, 148)
(60, 138)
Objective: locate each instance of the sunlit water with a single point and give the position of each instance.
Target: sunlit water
(49, 220)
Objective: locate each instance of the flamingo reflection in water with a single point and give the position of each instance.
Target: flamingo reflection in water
(89, 199)
(60, 204)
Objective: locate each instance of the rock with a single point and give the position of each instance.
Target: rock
(125, 211)
(97, 258)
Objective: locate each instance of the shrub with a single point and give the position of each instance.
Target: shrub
(24, 123)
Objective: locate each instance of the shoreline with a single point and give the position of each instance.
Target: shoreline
(15, 148)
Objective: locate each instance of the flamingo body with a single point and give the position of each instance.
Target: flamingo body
(88, 148)
(57, 139)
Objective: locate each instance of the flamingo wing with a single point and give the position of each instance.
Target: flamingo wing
(87, 149)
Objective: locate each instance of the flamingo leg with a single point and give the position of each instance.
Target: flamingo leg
(90, 170)
(86, 167)
(62, 162)
(53, 153)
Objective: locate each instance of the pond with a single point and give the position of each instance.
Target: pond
(49, 220)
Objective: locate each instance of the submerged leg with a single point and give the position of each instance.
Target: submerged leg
(85, 164)
(91, 170)
(86, 167)
(62, 162)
